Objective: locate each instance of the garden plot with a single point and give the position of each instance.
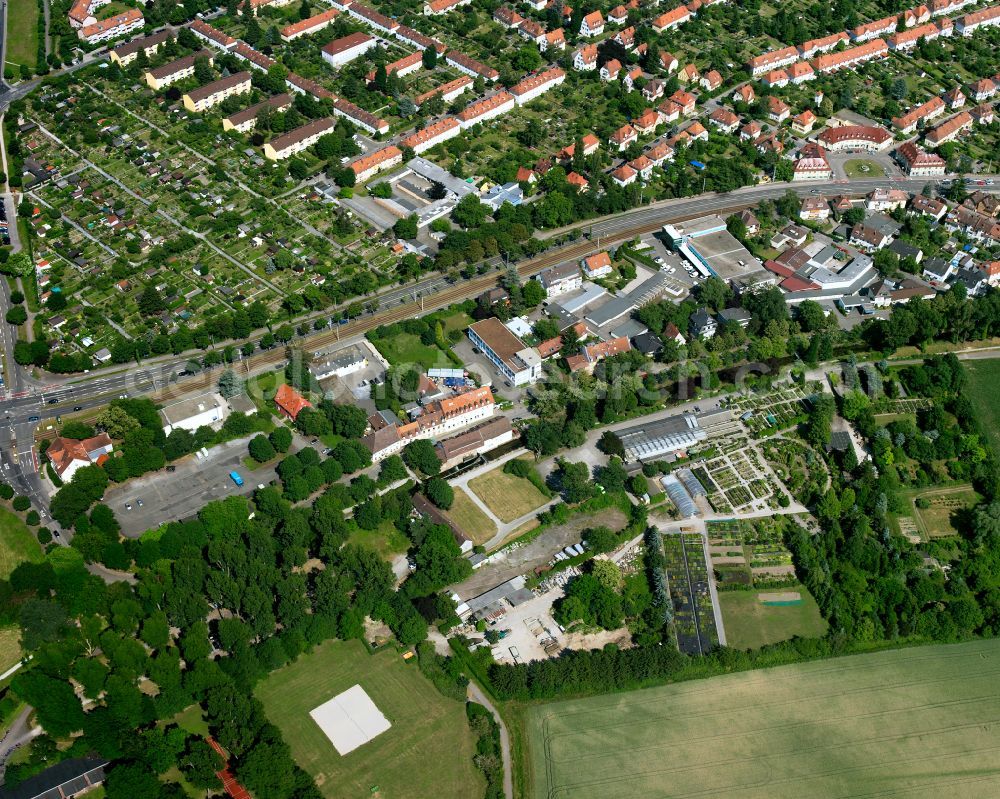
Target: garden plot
(687, 576)
(804, 473)
(774, 410)
(739, 481)
(750, 551)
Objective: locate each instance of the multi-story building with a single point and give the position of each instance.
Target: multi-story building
(968, 24)
(473, 442)
(487, 108)
(370, 165)
(432, 421)
(125, 54)
(535, 85)
(203, 30)
(435, 7)
(592, 24)
(949, 129)
(774, 59)
(925, 112)
(856, 138)
(560, 279)
(81, 13)
(162, 76)
(246, 120)
(210, 95)
(403, 66)
(847, 59)
(298, 140)
(918, 163)
(345, 49)
(105, 30)
(448, 91)
(518, 363)
(363, 119)
(470, 66)
(435, 133)
(671, 19)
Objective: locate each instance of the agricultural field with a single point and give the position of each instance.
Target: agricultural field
(509, 497)
(823, 729)
(427, 752)
(982, 379)
(688, 578)
(755, 618)
(17, 544)
(470, 519)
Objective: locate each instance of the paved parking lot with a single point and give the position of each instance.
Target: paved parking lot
(171, 496)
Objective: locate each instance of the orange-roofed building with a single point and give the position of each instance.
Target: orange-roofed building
(289, 401)
(597, 265)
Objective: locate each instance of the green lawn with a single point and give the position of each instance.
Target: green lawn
(981, 389)
(751, 624)
(470, 519)
(10, 647)
(862, 168)
(426, 753)
(17, 544)
(192, 720)
(386, 540)
(917, 722)
(22, 32)
(509, 497)
(406, 348)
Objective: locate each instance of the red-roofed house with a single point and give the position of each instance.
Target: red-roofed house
(69, 455)
(289, 401)
(592, 24)
(623, 137)
(597, 265)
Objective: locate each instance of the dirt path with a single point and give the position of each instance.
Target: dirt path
(475, 694)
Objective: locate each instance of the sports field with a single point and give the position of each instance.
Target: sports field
(981, 389)
(509, 497)
(427, 751)
(750, 623)
(17, 543)
(921, 723)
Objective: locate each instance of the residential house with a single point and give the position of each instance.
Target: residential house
(595, 266)
(814, 209)
(777, 110)
(289, 402)
(803, 123)
(916, 162)
(69, 455)
(610, 70)
(592, 24)
(622, 138)
(702, 324)
(724, 119)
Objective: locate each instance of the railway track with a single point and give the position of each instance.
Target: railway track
(463, 290)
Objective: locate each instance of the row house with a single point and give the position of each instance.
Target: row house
(125, 54)
(507, 18)
(214, 36)
(941, 7)
(111, 28)
(363, 119)
(800, 72)
(435, 7)
(973, 224)
(814, 47)
(872, 30)
(474, 68)
(916, 16)
(916, 162)
(486, 109)
(585, 59)
(847, 59)
(211, 94)
(906, 40)
(925, 112)
(949, 129)
(671, 19)
(296, 141)
(535, 85)
(448, 91)
(435, 133)
(970, 23)
(306, 27)
(774, 59)
(368, 166)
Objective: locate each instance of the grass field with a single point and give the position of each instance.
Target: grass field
(751, 624)
(10, 648)
(470, 519)
(981, 389)
(936, 521)
(507, 496)
(408, 348)
(22, 32)
(427, 751)
(385, 539)
(17, 544)
(919, 723)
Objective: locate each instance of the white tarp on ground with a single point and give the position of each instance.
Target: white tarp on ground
(350, 719)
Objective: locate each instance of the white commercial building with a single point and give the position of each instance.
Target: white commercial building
(190, 414)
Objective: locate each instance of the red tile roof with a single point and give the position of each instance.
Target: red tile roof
(290, 401)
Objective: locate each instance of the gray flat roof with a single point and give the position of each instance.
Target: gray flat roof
(185, 409)
(589, 293)
(721, 252)
(618, 307)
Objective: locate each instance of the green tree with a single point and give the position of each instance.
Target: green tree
(439, 492)
(421, 456)
(230, 384)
